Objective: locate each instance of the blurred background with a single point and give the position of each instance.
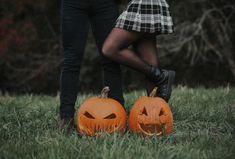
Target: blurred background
(201, 50)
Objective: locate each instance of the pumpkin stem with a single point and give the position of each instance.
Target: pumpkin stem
(153, 93)
(104, 92)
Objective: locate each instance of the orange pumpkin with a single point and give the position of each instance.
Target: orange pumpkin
(101, 114)
(151, 116)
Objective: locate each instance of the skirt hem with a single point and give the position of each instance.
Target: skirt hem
(157, 32)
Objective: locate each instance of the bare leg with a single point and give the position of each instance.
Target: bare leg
(147, 50)
(116, 48)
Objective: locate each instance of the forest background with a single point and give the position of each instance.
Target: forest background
(201, 50)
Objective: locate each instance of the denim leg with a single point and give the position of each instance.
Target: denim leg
(75, 26)
(102, 22)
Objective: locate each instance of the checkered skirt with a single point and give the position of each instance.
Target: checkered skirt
(152, 16)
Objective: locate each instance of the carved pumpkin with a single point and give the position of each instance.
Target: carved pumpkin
(101, 114)
(151, 116)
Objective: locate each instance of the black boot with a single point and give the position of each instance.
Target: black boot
(163, 79)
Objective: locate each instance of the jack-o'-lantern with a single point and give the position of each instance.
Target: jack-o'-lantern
(101, 114)
(151, 116)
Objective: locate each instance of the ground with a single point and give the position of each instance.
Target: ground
(204, 127)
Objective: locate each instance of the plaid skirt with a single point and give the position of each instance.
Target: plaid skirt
(151, 16)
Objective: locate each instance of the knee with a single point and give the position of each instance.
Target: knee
(71, 65)
(108, 49)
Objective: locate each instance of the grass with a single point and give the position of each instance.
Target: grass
(204, 128)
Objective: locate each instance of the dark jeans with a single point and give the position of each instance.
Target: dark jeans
(76, 15)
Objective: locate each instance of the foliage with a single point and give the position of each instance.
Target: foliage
(204, 37)
(204, 128)
(29, 45)
(201, 50)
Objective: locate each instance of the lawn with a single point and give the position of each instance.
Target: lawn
(204, 127)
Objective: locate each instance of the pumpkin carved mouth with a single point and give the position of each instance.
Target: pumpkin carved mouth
(98, 128)
(151, 129)
(150, 122)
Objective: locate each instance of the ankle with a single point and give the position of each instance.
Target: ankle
(155, 72)
(68, 121)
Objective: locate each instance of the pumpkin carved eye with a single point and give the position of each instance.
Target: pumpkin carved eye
(88, 115)
(144, 112)
(111, 116)
(161, 112)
